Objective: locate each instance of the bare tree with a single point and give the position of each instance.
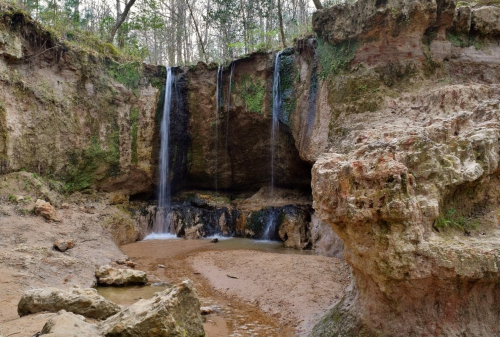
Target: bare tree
(120, 19)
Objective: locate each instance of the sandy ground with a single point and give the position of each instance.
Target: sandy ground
(297, 289)
(274, 294)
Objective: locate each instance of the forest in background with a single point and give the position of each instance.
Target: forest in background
(178, 32)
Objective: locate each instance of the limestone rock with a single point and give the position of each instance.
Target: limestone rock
(46, 210)
(486, 20)
(403, 201)
(64, 244)
(324, 240)
(65, 205)
(83, 301)
(174, 312)
(10, 45)
(293, 228)
(67, 324)
(107, 275)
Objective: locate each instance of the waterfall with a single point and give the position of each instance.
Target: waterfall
(270, 226)
(218, 103)
(162, 224)
(228, 106)
(275, 115)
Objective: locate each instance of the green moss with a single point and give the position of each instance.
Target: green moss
(129, 74)
(92, 163)
(252, 90)
(462, 40)
(335, 58)
(158, 80)
(134, 117)
(288, 76)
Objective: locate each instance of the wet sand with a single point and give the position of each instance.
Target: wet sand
(277, 292)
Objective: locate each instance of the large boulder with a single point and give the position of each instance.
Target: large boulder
(67, 324)
(109, 276)
(83, 301)
(486, 20)
(174, 312)
(46, 210)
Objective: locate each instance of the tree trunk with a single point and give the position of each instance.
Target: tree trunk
(282, 31)
(318, 4)
(197, 32)
(120, 20)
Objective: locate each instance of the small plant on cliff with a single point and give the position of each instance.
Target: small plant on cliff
(453, 219)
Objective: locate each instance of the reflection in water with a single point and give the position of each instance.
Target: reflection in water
(129, 295)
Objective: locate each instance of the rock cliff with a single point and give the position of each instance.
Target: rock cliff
(410, 182)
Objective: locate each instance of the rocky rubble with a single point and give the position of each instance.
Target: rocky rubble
(82, 301)
(170, 313)
(109, 276)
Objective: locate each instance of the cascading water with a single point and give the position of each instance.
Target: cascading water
(275, 114)
(271, 220)
(218, 103)
(228, 106)
(162, 225)
(270, 226)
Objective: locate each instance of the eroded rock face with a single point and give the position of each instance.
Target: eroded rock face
(387, 199)
(86, 302)
(109, 276)
(174, 312)
(67, 324)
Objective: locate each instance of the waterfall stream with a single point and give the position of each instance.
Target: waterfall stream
(271, 221)
(275, 114)
(162, 224)
(218, 103)
(228, 106)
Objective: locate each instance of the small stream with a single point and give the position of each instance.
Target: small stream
(232, 318)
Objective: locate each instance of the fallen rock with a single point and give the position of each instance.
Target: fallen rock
(83, 301)
(214, 240)
(206, 310)
(64, 244)
(65, 205)
(486, 20)
(127, 263)
(160, 266)
(174, 312)
(46, 210)
(107, 275)
(67, 324)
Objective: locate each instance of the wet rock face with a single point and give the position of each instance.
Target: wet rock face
(86, 302)
(233, 151)
(174, 312)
